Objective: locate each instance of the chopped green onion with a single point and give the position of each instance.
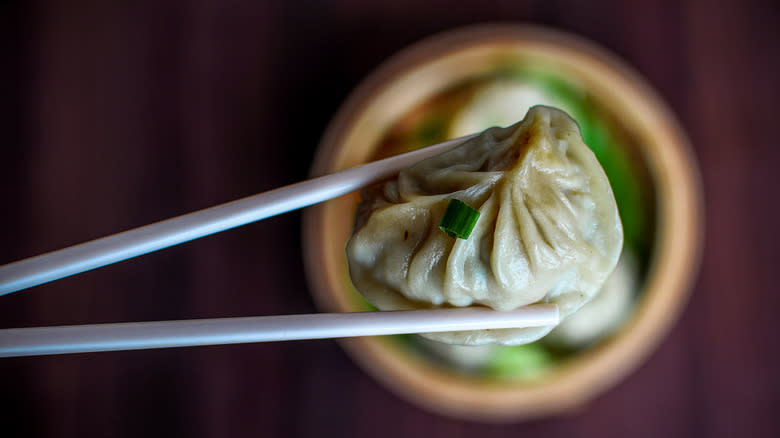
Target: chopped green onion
(459, 219)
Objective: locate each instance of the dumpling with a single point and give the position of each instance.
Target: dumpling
(466, 358)
(499, 103)
(605, 313)
(548, 230)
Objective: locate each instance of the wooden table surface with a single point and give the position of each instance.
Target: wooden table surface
(117, 114)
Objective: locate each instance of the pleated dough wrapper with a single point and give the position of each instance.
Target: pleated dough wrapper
(548, 230)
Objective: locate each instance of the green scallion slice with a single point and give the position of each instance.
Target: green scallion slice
(459, 219)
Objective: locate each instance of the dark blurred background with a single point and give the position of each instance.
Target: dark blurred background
(116, 114)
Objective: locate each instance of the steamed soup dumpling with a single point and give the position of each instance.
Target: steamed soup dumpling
(466, 358)
(605, 313)
(548, 230)
(501, 102)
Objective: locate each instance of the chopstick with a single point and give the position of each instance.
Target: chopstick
(198, 332)
(111, 249)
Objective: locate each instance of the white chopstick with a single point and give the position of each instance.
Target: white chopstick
(104, 251)
(163, 334)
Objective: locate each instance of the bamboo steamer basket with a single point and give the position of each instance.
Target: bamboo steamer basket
(434, 65)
